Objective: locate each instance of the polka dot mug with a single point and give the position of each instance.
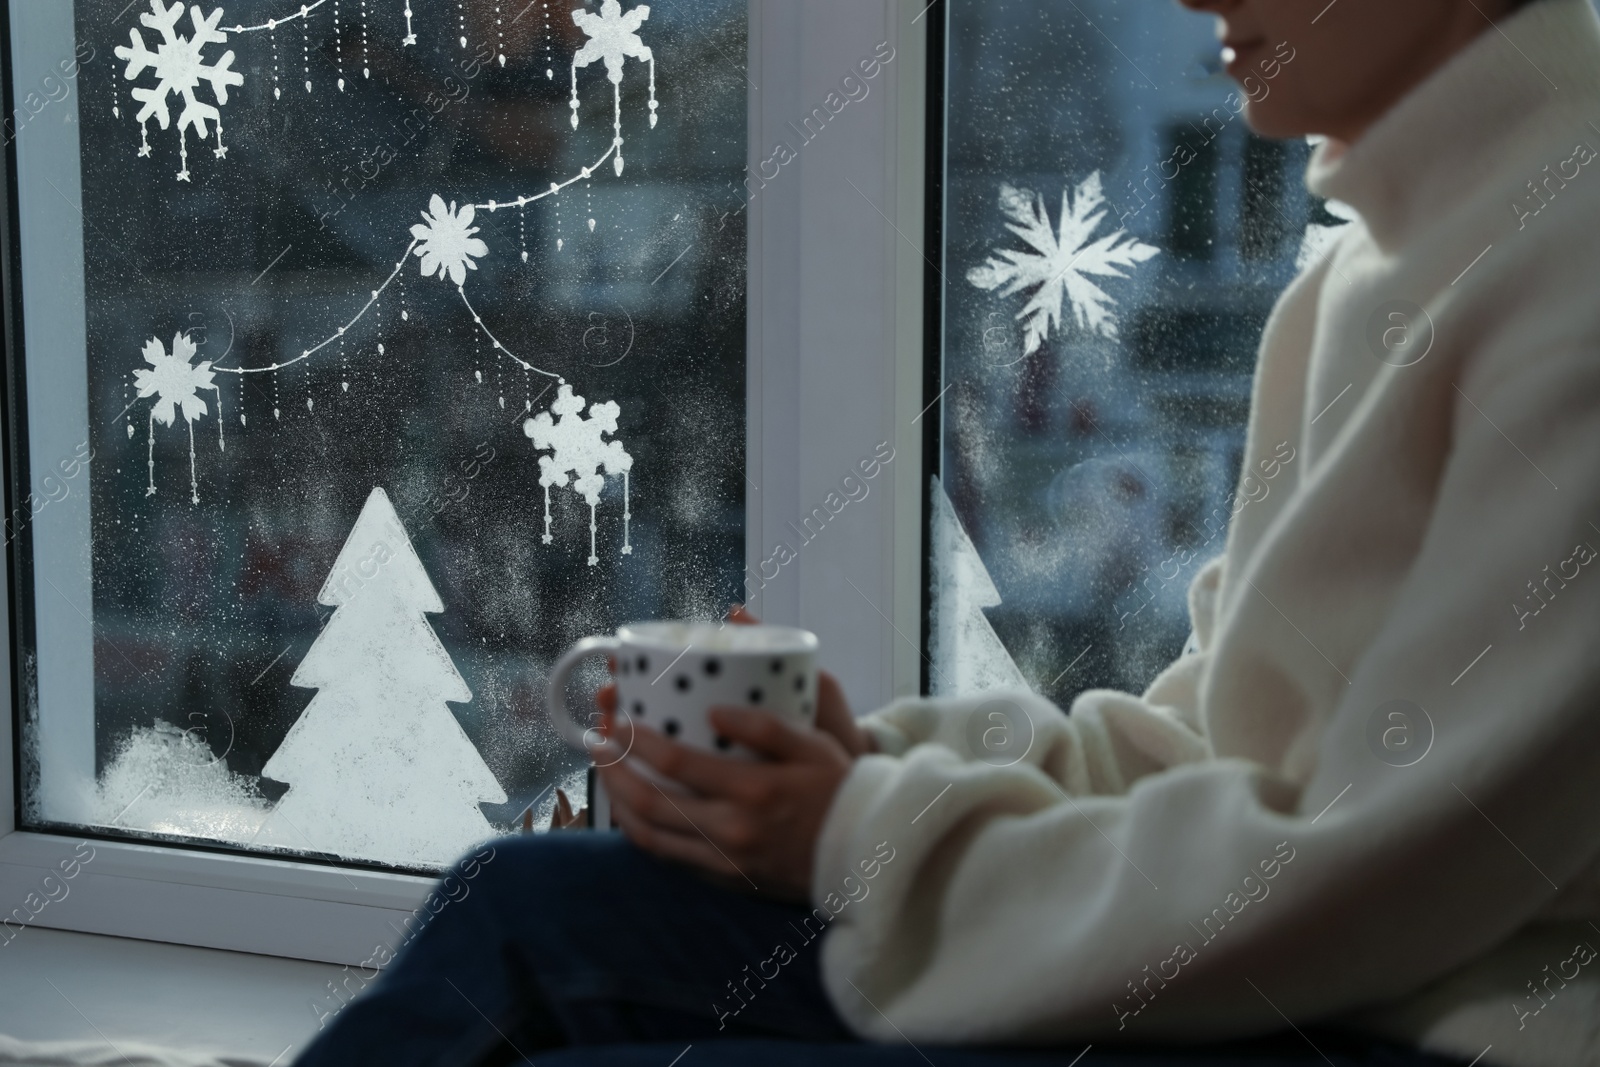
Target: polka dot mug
(670, 674)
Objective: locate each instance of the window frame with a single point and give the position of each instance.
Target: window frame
(934, 142)
(835, 365)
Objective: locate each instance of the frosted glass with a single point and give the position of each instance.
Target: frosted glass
(1114, 238)
(408, 343)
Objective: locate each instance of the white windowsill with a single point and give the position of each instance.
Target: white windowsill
(61, 986)
(236, 902)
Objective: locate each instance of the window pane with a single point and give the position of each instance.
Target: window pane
(409, 348)
(1114, 237)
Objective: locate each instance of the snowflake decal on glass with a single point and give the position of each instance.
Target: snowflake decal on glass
(578, 449)
(176, 385)
(179, 68)
(1059, 266)
(444, 240)
(613, 38)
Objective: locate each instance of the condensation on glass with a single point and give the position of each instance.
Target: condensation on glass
(1114, 238)
(374, 352)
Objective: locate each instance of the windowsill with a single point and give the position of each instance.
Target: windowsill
(188, 897)
(62, 986)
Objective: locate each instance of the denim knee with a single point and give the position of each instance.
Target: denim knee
(540, 869)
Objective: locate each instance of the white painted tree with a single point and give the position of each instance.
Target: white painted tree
(378, 767)
(969, 655)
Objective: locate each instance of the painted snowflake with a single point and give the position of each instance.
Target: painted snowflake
(179, 68)
(578, 449)
(176, 384)
(173, 381)
(445, 241)
(1058, 266)
(613, 38)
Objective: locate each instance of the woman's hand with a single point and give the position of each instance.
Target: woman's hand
(752, 821)
(834, 717)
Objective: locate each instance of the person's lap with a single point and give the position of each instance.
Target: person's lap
(577, 948)
(579, 938)
(1273, 1052)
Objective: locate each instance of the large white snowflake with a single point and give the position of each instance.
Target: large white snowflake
(1059, 266)
(613, 38)
(578, 449)
(179, 68)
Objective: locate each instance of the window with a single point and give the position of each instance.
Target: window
(1113, 238)
(760, 338)
(157, 641)
(365, 355)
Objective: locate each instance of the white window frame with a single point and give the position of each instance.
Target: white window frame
(835, 367)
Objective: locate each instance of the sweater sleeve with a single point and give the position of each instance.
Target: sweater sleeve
(1223, 895)
(1111, 742)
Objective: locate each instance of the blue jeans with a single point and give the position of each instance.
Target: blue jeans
(576, 948)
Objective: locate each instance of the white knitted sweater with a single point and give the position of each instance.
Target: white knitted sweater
(1229, 850)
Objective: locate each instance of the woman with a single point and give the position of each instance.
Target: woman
(1365, 798)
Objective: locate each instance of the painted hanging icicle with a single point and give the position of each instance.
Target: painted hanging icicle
(577, 449)
(176, 384)
(613, 37)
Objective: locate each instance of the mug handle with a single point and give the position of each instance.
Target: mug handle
(556, 693)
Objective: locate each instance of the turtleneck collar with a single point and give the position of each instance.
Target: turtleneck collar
(1443, 139)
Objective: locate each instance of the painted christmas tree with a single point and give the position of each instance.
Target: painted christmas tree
(378, 767)
(969, 654)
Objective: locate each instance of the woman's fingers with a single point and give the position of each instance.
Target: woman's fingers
(831, 700)
(606, 698)
(757, 819)
(691, 848)
(834, 716)
(713, 775)
(675, 811)
(709, 774)
(766, 734)
(707, 834)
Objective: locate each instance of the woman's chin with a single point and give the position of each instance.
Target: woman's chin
(1268, 120)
